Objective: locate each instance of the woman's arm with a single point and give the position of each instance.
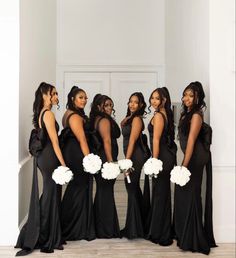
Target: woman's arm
(195, 127)
(49, 121)
(76, 124)
(136, 129)
(104, 128)
(158, 126)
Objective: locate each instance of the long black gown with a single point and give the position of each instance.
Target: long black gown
(106, 219)
(135, 217)
(191, 233)
(43, 229)
(159, 219)
(77, 218)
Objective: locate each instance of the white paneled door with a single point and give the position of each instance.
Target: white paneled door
(92, 83)
(119, 86)
(123, 85)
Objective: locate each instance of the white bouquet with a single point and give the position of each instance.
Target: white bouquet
(180, 175)
(92, 163)
(62, 175)
(152, 167)
(110, 170)
(126, 166)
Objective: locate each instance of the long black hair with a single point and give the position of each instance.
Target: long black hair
(165, 98)
(198, 105)
(99, 100)
(142, 106)
(43, 88)
(70, 101)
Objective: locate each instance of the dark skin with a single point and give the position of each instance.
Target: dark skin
(49, 121)
(136, 127)
(76, 122)
(104, 128)
(195, 126)
(157, 122)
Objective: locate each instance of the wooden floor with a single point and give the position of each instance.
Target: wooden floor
(122, 248)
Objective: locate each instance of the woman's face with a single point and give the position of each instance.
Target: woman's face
(108, 107)
(133, 104)
(80, 100)
(155, 100)
(188, 98)
(54, 97)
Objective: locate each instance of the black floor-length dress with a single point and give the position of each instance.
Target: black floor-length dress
(159, 219)
(77, 218)
(191, 232)
(134, 225)
(43, 229)
(106, 219)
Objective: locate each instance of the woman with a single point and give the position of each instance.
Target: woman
(43, 229)
(132, 127)
(77, 213)
(106, 131)
(190, 232)
(162, 134)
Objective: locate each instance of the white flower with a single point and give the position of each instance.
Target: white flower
(180, 175)
(62, 175)
(152, 167)
(110, 170)
(92, 163)
(125, 164)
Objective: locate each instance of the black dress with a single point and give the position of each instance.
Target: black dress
(43, 229)
(191, 233)
(77, 217)
(135, 217)
(106, 219)
(159, 219)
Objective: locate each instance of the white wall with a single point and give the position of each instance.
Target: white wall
(187, 45)
(9, 78)
(200, 46)
(222, 114)
(111, 32)
(37, 64)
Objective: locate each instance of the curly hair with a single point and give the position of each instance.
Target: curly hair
(165, 98)
(43, 88)
(70, 101)
(99, 100)
(142, 106)
(198, 105)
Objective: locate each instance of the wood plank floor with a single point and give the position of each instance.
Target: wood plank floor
(122, 248)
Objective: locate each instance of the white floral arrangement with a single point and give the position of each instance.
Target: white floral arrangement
(92, 163)
(110, 170)
(152, 167)
(62, 175)
(126, 165)
(180, 175)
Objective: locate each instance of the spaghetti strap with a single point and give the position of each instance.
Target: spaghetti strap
(41, 119)
(68, 118)
(165, 119)
(98, 121)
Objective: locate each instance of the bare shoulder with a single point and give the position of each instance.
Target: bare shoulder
(158, 118)
(48, 115)
(137, 120)
(75, 118)
(197, 117)
(104, 122)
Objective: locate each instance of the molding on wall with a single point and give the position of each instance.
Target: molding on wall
(110, 67)
(219, 169)
(24, 161)
(22, 223)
